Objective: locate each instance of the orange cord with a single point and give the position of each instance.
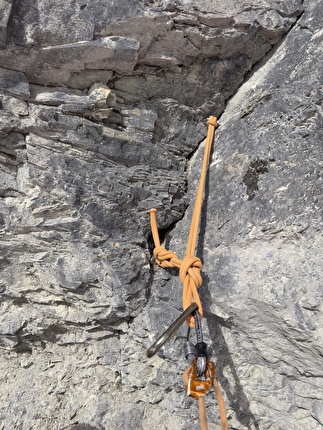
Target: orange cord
(221, 405)
(190, 268)
(202, 413)
(190, 375)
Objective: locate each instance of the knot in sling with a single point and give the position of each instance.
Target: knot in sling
(197, 381)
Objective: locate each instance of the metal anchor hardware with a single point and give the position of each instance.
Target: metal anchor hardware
(199, 350)
(199, 377)
(171, 330)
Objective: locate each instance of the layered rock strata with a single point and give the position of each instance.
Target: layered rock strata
(102, 115)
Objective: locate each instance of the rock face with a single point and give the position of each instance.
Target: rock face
(103, 106)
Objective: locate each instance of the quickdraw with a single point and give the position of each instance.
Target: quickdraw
(199, 377)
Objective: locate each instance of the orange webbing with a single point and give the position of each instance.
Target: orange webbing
(190, 267)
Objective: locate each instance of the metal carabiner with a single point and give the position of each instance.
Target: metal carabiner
(199, 350)
(171, 330)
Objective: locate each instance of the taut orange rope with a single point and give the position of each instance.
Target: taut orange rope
(190, 269)
(221, 405)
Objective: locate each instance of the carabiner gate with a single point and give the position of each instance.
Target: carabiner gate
(171, 330)
(199, 350)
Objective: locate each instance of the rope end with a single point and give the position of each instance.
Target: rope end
(212, 121)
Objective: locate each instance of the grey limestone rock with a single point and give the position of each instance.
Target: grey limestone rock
(14, 83)
(5, 10)
(102, 115)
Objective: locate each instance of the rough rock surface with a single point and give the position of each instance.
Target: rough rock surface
(101, 118)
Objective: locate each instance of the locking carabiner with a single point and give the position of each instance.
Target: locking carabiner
(199, 350)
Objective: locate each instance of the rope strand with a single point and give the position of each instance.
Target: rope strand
(192, 238)
(190, 268)
(221, 405)
(202, 413)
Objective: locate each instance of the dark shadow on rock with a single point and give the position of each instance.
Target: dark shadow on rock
(232, 387)
(83, 426)
(22, 13)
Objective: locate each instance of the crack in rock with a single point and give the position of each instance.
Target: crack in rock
(102, 108)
